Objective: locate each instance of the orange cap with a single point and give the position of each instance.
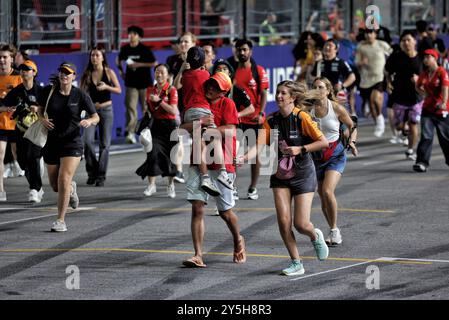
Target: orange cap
(28, 65)
(223, 80)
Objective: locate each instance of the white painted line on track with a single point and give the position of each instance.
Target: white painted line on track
(333, 270)
(419, 260)
(70, 212)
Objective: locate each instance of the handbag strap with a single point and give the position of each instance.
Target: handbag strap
(48, 100)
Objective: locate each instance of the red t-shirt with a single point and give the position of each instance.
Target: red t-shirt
(193, 89)
(168, 94)
(244, 79)
(225, 113)
(434, 89)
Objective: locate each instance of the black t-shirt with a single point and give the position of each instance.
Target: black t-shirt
(139, 78)
(403, 68)
(65, 112)
(335, 70)
(240, 98)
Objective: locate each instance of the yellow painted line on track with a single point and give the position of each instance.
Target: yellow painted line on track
(258, 255)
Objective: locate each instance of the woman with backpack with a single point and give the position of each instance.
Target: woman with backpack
(163, 105)
(99, 81)
(298, 136)
(331, 161)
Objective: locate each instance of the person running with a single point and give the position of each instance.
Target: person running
(402, 70)
(225, 119)
(254, 80)
(332, 161)
(24, 99)
(301, 137)
(434, 83)
(8, 80)
(99, 81)
(370, 60)
(163, 105)
(63, 104)
(139, 60)
(335, 69)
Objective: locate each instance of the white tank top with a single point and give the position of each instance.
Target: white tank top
(329, 124)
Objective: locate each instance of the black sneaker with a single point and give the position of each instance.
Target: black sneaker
(419, 167)
(180, 177)
(99, 183)
(91, 181)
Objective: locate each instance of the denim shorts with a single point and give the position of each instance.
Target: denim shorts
(224, 202)
(337, 162)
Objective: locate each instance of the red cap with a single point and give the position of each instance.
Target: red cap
(432, 52)
(223, 80)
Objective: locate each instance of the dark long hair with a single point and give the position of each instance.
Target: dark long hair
(86, 77)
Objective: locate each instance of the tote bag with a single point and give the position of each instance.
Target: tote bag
(37, 133)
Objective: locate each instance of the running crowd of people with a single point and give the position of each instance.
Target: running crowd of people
(219, 105)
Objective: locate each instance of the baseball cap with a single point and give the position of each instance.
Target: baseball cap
(223, 80)
(226, 63)
(432, 52)
(195, 57)
(69, 66)
(28, 65)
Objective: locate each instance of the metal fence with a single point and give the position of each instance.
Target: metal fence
(78, 24)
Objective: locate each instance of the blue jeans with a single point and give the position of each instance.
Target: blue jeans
(428, 125)
(96, 169)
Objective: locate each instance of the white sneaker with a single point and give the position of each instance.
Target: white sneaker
(35, 196)
(8, 172)
(17, 171)
(409, 154)
(150, 190)
(131, 138)
(59, 226)
(3, 196)
(74, 200)
(334, 237)
(171, 191)
(396, 140)
(216, 212)
(208, 186)
(252, 194)
(235, 194)
(405, 142)
(224, 179)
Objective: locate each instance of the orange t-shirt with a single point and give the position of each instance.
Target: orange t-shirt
(6, 84)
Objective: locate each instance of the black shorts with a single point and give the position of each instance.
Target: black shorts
(8, 135)
(248, 134)
(53, 152)
(366, 93)
(305, 182)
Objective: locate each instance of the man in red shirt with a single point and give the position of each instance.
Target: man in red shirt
(225, 117)
(254, 80)
(434, 83)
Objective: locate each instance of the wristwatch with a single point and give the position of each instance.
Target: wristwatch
(303, 150)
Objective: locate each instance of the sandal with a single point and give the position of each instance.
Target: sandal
(194, 262)
(240, 256)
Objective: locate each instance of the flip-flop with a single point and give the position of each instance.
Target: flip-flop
(194, 263)
(240, 256)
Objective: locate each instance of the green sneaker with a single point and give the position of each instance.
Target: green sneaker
(321, 248)
(294, 269)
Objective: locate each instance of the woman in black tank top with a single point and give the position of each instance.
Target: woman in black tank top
(99, 81)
